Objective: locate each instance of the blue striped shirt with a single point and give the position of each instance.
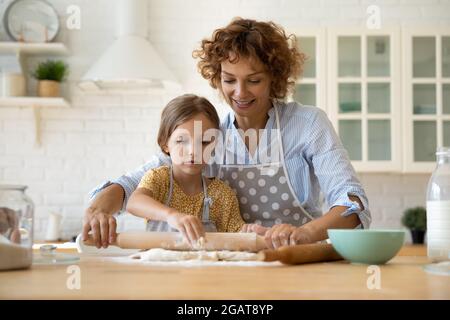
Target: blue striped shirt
(315, 159)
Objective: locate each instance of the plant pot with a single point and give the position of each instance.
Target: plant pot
(48, 88)
(417, 236)
(13, 85)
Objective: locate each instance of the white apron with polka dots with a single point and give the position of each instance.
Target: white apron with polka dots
(265, 194)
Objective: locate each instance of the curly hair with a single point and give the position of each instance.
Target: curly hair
(266, 41)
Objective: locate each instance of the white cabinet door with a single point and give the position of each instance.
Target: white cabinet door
(310, 88)
(426, 91)
(364, 96)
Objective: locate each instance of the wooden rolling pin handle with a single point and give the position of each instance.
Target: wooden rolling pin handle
(303, 253)
(145, 240)
(90, 241)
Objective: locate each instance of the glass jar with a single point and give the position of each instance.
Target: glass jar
(16, 228)
(438, 208)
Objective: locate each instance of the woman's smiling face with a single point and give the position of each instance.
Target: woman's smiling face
(246, 86)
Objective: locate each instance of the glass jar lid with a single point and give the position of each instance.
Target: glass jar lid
(47, 255)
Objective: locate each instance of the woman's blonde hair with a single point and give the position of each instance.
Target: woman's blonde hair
(180, 110)
(250, 38)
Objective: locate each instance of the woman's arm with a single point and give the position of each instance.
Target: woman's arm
(334, 171)
(98, 217)
(110, 198)
(316, 230)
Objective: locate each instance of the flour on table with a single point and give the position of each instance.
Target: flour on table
(157, 254)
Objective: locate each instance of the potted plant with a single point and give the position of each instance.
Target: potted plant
(50, 74)
(415, 219)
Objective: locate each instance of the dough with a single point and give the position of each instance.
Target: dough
(172, 255)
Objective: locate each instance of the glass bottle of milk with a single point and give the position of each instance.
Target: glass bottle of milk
(438, 208)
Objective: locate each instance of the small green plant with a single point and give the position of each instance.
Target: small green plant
(51, 70)
(415, 218)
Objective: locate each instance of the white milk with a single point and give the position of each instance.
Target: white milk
(438, 230)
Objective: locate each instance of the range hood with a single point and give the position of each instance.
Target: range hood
(130, 62)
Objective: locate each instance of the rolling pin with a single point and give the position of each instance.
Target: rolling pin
(302, 253)
(174, 241)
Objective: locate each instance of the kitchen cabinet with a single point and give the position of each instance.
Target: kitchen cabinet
(386, 91)
(426, 92)
(364, 102)
(311, 88)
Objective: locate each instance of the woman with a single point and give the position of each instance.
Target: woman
(254, 65)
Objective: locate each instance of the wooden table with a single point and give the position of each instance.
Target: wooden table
(402, 278)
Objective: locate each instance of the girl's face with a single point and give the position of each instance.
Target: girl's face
(246, 86)
(186, 149)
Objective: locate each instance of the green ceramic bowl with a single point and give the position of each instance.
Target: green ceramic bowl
(367, 246)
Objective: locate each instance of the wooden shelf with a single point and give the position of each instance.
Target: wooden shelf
(22, 50)
(48, 48)
(33, 102)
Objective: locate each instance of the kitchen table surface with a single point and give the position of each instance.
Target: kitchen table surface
(403, 277)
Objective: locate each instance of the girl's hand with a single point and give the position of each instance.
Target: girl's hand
(286, 234)
(256, 228)
(190, 226)
(247, 228)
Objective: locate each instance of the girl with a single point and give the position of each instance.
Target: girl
(179, 197)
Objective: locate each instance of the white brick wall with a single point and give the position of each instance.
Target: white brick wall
(102, 136)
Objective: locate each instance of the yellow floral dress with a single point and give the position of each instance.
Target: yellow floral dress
(224, 211)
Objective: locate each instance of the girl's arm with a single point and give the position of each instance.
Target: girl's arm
(142, 204)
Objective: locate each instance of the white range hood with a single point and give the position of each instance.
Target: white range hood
(130, 62)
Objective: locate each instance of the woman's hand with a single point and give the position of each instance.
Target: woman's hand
(98, 217)
(102, 224)
(190, 226)
(286, 234)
